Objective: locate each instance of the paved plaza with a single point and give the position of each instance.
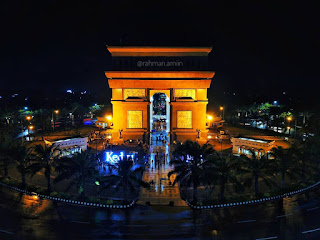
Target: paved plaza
(161, 192)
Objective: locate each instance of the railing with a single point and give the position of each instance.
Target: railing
(253, 201)
(91, 204)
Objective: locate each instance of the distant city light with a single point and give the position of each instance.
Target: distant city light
(275, 102)
(69, 91)
(25, 108)
(0, 96)
(26, 99)
(284, 93)
(95, 104)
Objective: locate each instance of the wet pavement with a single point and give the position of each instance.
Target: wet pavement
(24, 218)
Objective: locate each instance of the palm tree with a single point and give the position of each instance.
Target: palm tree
(126, 179)
(286, 163)
(5, 148)
(79, 168)
(192, 149)
(190, 165)
(225, 170)
(257, 168)
(311, 152)
(22, 155)
(43, 159)
(303, 158)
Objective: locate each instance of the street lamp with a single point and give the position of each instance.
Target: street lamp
(53, 118)
(210, 119)
(109, 117)
(28, 118)
(289, 128)
(29, 129)
(289, 118)
(222, 112)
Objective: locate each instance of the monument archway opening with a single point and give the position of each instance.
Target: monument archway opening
(159, 118)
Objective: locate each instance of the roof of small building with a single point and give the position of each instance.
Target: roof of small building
(254, 139)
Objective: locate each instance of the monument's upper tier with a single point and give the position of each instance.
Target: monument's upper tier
(126, 51)
(159, 58)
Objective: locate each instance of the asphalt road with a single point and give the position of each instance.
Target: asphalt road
(22, 217)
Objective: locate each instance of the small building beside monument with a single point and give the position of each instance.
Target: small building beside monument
(68, 146)
(243, 145)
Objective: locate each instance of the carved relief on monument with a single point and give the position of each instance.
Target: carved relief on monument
(185, 93)
(134, 92)
(184, 119)
(134, 119)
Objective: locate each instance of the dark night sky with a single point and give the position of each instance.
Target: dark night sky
(257, 48)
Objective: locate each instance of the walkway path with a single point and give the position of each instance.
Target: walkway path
(161, 192)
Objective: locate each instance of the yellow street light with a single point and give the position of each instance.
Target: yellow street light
(28, 118)
(209, 117)
(222, 112)
(109, 117)
(56, 111)
(288, 128)
(289, 118)
(30, 127)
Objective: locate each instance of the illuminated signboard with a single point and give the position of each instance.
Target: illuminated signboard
(112, 157)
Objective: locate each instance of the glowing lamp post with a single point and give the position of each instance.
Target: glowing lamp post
(222, 112)
(210, 119)
(53, 118)
(289, 121)
(109, 118)
(289, 128)
(30, 128)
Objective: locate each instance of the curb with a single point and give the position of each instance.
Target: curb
(253, 201)
(80, 203)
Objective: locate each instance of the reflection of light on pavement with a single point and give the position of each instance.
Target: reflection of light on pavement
(161, 191)
(33, 205)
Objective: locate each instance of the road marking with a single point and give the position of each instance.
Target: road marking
(81, 222)
(247, 221)
(5, 231)
(312, 209)
(309, 231)
(284, 215)
(267, 238)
